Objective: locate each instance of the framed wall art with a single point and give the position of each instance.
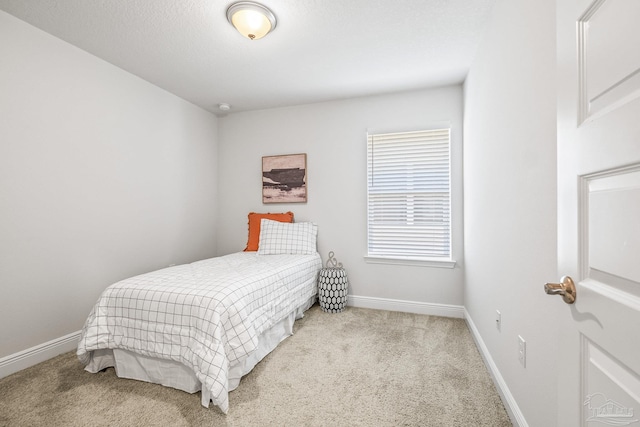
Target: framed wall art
(284, 179)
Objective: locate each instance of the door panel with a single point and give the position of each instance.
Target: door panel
(613, 207)
(604, 376)
(608, 63)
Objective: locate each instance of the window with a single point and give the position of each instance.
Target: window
(408, 196)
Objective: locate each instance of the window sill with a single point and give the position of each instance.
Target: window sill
(418, 262)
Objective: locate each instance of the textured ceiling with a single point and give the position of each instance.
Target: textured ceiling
(320, 50)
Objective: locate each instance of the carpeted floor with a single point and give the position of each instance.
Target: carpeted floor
(360, 367)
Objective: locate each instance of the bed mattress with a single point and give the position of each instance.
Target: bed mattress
(208, 315)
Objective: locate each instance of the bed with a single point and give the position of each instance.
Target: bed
(202, 326)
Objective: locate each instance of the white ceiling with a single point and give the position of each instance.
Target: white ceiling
(320, 50)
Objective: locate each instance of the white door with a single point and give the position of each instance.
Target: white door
(599, 211)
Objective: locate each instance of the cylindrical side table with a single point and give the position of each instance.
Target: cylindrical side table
(333, 288)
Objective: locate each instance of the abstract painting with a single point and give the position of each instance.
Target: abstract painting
(284, 179)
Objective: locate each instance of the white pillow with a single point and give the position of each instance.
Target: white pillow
(277, 238)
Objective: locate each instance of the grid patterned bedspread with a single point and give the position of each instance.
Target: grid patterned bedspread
(206, 315)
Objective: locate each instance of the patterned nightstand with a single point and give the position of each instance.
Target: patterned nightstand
(333, 287)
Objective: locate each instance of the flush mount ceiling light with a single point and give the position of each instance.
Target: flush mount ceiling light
(252, 20)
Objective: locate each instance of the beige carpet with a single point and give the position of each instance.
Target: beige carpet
(360, 367)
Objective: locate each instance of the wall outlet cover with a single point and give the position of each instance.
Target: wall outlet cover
(522, 351)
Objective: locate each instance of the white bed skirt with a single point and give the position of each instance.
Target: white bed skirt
(174, 374)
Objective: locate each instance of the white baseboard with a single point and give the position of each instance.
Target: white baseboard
(517, 418)
(443, 310)
(39, 353)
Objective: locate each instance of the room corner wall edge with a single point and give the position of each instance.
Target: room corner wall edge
(32, 356)
(432, 309)
(517, 418)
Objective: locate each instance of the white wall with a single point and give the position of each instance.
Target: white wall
(333, 135)
(510, 200)
(102, 176)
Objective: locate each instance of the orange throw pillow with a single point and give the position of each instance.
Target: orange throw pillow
(254, 226)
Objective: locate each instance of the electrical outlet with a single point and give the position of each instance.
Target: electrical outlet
(498, 320)
(522, 351)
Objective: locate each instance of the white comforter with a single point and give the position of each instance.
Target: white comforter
(206, 315)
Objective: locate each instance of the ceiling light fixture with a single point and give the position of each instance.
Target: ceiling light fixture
(224, 106)
(252, 20)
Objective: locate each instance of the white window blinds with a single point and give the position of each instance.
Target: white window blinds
(409, 208)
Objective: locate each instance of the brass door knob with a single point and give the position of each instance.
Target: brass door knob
(567, 289)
